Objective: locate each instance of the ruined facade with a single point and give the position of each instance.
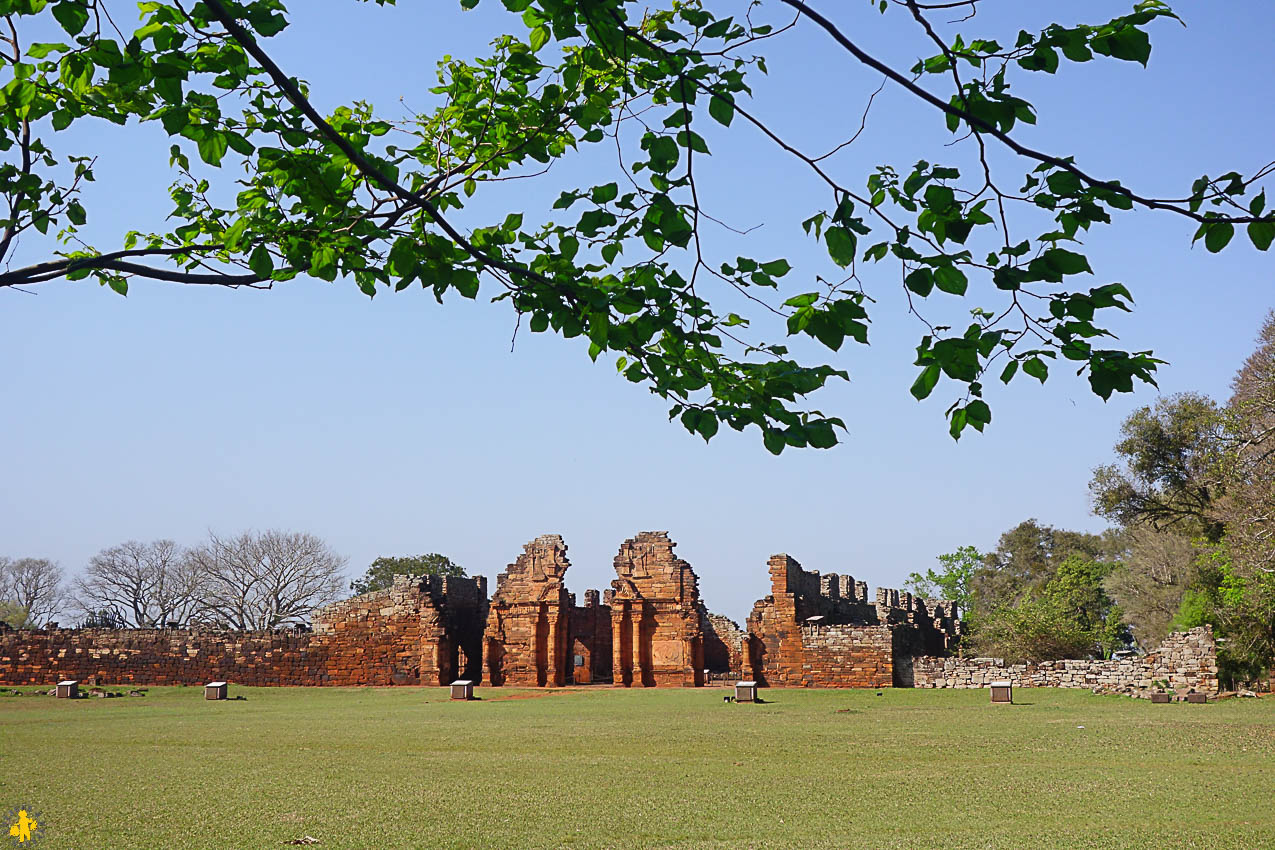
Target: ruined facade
(656, 636)
(526, 639)
(821, 631)
(649, 629)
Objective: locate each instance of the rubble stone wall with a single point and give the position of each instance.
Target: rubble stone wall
(162, 657)
(1186, 661)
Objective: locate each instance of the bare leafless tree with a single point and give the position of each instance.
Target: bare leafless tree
(34, 589)
(266, 580)
(144, 585)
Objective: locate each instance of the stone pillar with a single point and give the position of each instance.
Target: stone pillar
(554, 673)
(620, 644)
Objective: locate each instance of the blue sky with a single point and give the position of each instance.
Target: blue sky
(395, 426)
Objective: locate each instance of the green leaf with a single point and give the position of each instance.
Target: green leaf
(821, 435)
(604, 194)
(920, 281)
(260, 261)
(664, 154)
(841, 243)
(925, 382)
(774, 440)
(212, 147)
(1036, 368)
(73, 15)
(323, 262)
(1218, 236)
(1261, 233)
(776, 268)
(950, 279)
(958, 423)
(721, 109)
(978, 414)
(1066, 262)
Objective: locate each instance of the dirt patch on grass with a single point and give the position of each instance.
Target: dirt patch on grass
(547, 692)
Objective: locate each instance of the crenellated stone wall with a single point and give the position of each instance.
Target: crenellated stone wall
(1186, 661)
(818, 630)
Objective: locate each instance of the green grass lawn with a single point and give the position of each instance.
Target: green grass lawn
(405, 767)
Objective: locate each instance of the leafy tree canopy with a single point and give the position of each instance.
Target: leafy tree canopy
(1169, 476)
(12, 614)
(375, 198)
(1196, 493)
(953, 580)
(380, 574)
(1028, 556)
(1068, 616)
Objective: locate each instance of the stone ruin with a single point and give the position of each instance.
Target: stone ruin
(420, 630)
(656, 615)
(821, 631)
(526, 639)
(650, 628)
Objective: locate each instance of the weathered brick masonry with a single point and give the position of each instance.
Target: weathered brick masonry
(723, 644)
(419, 631)
(160, 657)
(424, 630)
(1186, 661)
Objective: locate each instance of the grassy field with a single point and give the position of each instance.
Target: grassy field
(404, 767)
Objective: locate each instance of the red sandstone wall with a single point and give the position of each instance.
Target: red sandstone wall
(655, 616)
(526, 639)
(775, 652)
(820, 631)
(590, 627)
(163, 657)
(398, 636)
(847, 657)
(378, 639)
